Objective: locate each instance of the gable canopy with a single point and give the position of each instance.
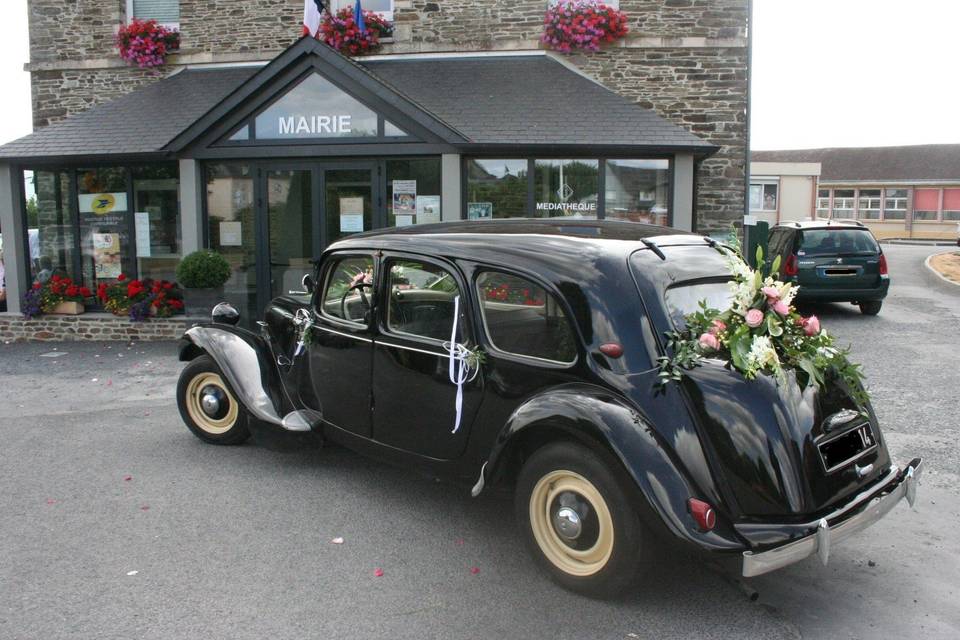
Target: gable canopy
(312, 101)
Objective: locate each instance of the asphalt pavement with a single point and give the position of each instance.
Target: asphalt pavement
(115, 522)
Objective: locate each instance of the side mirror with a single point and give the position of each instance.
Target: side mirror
(225, 313)
(308, 283)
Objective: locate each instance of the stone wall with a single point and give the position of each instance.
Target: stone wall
(701, 89)
(59, 93)
(88, 326)
(73, 29)
(232, 26)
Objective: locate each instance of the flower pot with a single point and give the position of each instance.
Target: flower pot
(68, 308)
(198, 303)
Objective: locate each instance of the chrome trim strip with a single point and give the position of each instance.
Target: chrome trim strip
(341, 333)
(400, 346)
(819, 542)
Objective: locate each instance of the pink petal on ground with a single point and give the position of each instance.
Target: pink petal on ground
(51, 501)
(145, 508)
(378, 572)
(474, 570)
(337, 541)
(127, 478)
(459, 542)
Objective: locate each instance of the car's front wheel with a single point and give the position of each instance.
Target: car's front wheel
(871, 307)
(578, 519)
(208, 407)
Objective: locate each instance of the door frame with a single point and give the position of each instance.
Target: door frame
(318, 184)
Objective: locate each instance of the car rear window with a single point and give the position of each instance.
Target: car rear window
(685, 298)
(821, 242)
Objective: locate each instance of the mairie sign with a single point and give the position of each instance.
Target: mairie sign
(315, 126)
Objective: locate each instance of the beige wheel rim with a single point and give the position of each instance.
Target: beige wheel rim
(201, 389)
(581, 556)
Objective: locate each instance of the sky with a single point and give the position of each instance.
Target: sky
(826, 73)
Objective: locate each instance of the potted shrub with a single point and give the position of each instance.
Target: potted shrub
(202, 275)
(58, 295)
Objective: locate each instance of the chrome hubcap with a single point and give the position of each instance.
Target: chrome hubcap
(567, 523)
(211, 401)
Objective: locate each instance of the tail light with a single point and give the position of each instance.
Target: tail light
(883, 265)
(703, 513)
(791, 268)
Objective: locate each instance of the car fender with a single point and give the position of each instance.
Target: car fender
(247, 364)
(587, 411)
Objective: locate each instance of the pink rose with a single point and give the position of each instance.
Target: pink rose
(811, 325)
(754, 318)
(719, 326)
(781, 308)
(771, 292)
(709, 342)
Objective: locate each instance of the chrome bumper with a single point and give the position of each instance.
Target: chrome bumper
(879, 501)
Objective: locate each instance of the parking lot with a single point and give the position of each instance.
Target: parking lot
(117, 523)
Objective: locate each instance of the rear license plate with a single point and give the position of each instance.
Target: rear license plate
(847, 447)
(842, 271)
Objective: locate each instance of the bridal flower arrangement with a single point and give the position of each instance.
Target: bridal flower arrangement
(761, 333)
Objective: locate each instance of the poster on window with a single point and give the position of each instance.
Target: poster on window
(404, 197)
(428, 209)
(106, 256)
(479, 210)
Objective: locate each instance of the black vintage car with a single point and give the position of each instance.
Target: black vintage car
(525, 353)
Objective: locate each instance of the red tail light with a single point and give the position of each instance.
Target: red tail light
(703, 513)
(791, 268)
(883, 265)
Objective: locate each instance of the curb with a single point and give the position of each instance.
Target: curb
(939, 275)
(920, 243)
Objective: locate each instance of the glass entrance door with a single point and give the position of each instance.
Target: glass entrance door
(348, 202)
(293, 239)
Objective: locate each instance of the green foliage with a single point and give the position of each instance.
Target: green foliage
(203, 270)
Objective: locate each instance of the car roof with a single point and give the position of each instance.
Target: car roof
(822, 223)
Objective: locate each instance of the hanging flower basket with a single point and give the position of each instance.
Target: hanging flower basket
(146, 43)
(582, 24)
(341, 32)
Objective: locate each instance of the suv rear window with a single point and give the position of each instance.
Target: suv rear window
(822, 242)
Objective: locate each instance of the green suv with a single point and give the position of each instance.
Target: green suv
(832, 261)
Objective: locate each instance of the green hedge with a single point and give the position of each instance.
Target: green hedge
(203, 270)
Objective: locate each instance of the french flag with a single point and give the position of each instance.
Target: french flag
(311, 17)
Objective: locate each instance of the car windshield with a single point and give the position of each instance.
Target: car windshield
(684, 299)
(822, 242)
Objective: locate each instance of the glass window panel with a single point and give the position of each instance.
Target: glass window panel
(638, 190)
(290, 220)
(50, 226)
(163, 11)
(566, 188)
(230, 217)
(105, 225)
(924, 215)
(316, 108)
(391, 130)
(417, 200)
(496, 188)
(243, 133)
(522, 318)
(823, 193)
(421, 299)
(349, 202)
(892, 214)
(156, 196)
(951, 215)
(342, 296)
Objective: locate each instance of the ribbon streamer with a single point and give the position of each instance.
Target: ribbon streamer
(459, 370)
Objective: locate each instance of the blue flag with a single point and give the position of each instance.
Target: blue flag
(358, 18)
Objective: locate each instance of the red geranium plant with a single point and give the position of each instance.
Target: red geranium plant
(341, 32)
(141, 299)
(582, 24)
(146, 42)
(44, 296)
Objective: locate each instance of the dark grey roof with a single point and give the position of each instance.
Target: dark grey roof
(527, 100)
(139, 122)
(491, 100)
(861, 164)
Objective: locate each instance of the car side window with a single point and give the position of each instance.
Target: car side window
(348, 293)
(524, 319)
(421, 299)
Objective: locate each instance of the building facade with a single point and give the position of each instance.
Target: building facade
(898, 192)
(461, 114)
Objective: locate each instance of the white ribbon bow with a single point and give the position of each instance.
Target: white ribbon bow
(460, 371)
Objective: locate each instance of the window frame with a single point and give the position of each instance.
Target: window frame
(335, 260)
(763, 184)
(561, 302)
(169, 25)
(468, 335)
(823, 203)
(852, 209)
(896, 199)
(337, 5)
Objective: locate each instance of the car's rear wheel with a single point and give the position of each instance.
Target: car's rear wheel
(871, 307)
(578, 520)
(208, 407)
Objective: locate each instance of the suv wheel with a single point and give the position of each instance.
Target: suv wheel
(578, 520)
(871, 308)
(208, 407)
